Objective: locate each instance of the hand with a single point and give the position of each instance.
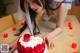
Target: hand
(13, 49)
(49, 39)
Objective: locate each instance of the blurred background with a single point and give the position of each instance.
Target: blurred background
(9, 24)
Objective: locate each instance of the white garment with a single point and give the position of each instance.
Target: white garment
(21, 15)
(68, 3)
(68, 7)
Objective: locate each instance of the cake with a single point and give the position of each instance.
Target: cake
(31, 44)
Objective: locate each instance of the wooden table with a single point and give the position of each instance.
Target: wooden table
(62, 42)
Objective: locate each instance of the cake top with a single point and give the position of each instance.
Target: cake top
(30, 41)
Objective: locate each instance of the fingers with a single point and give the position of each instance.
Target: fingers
(48, 41)
(44, 38)
(51, 45)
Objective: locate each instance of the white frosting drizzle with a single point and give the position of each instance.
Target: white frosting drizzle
(33, 42)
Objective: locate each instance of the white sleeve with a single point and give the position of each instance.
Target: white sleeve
(67, 2)
(58, 0)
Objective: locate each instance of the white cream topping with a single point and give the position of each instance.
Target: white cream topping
(33, 42)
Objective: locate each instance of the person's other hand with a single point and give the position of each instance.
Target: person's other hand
(50, 36)
(49, 40)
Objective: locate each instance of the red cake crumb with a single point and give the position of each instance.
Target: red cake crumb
(75, 52)
(70, 25)
(74, 45)
(5, 35)
(14, 28)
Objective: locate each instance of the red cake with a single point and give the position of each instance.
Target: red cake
(31, 44)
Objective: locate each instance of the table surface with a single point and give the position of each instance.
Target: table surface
(62, 42)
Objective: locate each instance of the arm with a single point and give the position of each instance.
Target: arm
(60, 20)
(59, 25)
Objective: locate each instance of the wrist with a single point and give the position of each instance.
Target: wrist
(56, 32)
